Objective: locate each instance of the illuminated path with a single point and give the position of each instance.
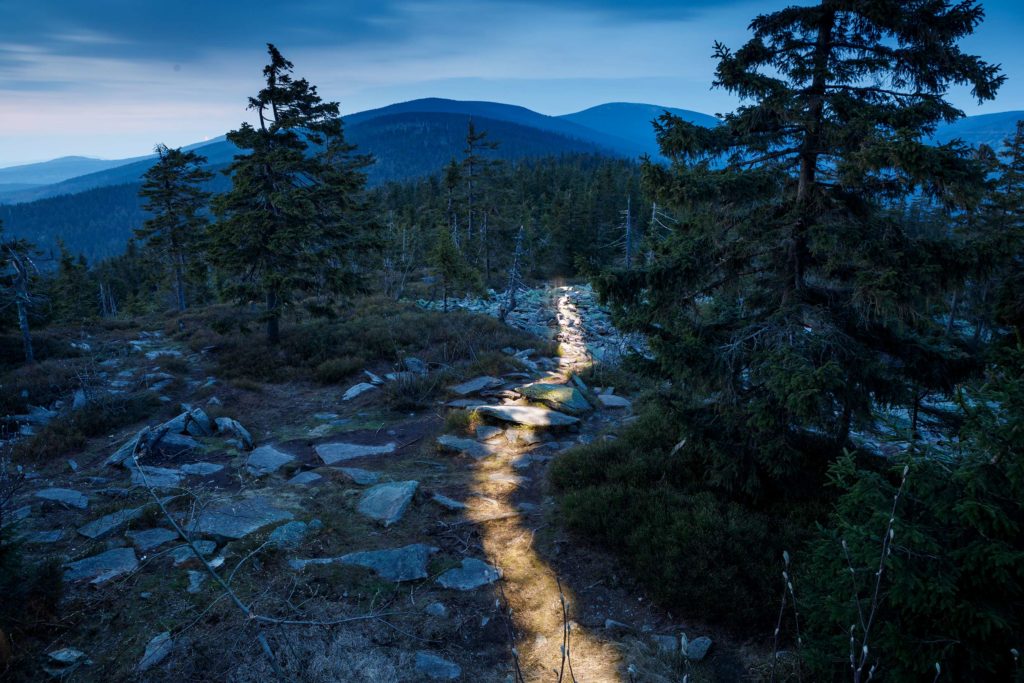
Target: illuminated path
(530, 585)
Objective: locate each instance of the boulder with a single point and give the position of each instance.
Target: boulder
(472, 574)
(266, 460)
(529, 416)
(387, 503)
(66, 497)
(234, 429)
(332, 453)
(106, 565)
(437, 668)
(239, 519)
(557, 396)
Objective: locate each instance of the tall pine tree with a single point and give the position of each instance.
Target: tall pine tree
(295, 211)
(172, 188)
(790, 300)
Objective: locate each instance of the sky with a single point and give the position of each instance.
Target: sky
(111, 78)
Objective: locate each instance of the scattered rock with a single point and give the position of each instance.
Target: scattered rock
(414, 365)
(147, 539)
(448, 503)
(288, 535)
(472, 574)
(613, 401)
(62, 663)
(436, 609)
(487, 432)
(360, 476)
(266, 460)
(529, 416)
(201, 469)
(472, 448)
(476, 385)
(157, 477)
(522, 437)
(357, 390)
(156, 651)
(558, 396)
(374, 379)
(183, 554)
(234, 429)
(107, 565)
(239, 519)
(67, 497)
(44, 537)
(436, 668)
(107, 524)
(463, 403)
(304, 479)
(697, 648)
(618, 626)
(408, 563)
(386, 503)
(666, 643)
(332, 453)
(196, 580)
(194, 422)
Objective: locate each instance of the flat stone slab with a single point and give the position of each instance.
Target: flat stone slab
(68, 497)
(304, 479)
(463, 403)
(386, 503)
(470, 447)
(157, 477)
(360, 476)
(156, 651)
(237, 520)
(613, 401)
(448, 503)
(529, 416)
(107, 565)
(357, 390)
(557, 396)
(108, 524)
(471, 575)
(183, 554)
(408, 563)
(266, 460)
(476, 385)
(201, 468)
(147, 539)
(331, 453)
(437, 668)
(488, 432)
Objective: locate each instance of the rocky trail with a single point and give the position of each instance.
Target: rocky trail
(438, 544)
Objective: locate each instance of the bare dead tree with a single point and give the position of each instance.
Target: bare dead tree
(17, 255)
(515, 279)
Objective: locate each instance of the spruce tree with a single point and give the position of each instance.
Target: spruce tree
(172, 188)
(791, 301)
(294, 212)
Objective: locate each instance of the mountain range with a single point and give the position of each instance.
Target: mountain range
(72, 198)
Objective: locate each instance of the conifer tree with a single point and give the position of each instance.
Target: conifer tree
(450, 265)
(172, 188)
(790, 300)
(295, 210)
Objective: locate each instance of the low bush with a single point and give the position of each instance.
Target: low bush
(337, 369)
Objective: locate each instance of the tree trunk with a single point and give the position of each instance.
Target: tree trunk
(273, 318)
(26, 335)
(179, 282)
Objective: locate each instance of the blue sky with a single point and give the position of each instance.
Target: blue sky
(110, 78)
